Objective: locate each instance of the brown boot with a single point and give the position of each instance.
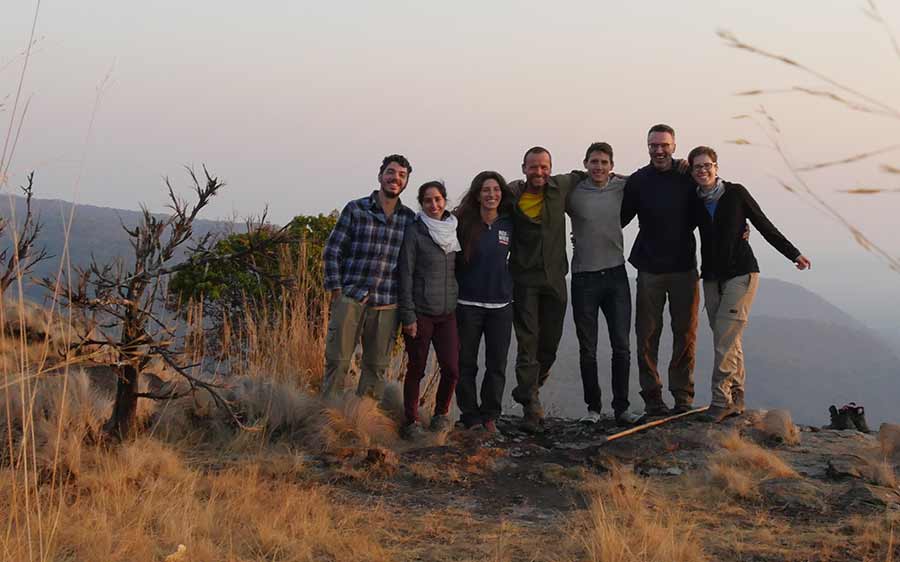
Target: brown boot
(718, 414)
(737, 400)
(532, 423)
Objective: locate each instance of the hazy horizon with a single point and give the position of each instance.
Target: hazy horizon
(294, 105)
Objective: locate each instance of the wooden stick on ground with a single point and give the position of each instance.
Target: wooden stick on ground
(654, 423)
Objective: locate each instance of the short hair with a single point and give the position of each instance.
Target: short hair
(537, 150)
(439, 185)
(603, 147)
(399, 159)
(700, 151)
(661, 128)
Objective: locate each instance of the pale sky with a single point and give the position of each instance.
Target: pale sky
(294, 104)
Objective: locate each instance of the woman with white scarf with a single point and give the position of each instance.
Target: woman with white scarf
(730, 273)
(427, 302)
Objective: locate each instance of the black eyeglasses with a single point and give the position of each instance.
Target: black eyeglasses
(704, 166)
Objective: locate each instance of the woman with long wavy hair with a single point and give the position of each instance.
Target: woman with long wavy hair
(484, 306)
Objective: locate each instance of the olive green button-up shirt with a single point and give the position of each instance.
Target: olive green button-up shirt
(537, 256)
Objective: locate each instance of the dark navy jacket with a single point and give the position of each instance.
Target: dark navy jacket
(485, 277)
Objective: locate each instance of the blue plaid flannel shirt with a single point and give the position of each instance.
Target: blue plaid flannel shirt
(362, 251)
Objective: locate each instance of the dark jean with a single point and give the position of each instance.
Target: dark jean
(441, 332)
(495, 324)
(608, 291)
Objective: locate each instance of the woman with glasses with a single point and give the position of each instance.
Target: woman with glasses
(730, 273)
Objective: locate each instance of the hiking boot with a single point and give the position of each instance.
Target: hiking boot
(533, 423)
(627, 418)
(440, 423)
(412, 431)
(718, 414)
(840, 419)
(490, 427)
(682, 409)
(857, 415)
(737, 400)
(656, 410)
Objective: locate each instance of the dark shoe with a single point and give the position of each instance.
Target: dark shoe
(718, 414)
(857, 416)
(656, 410)
(682, 409)
(412, 431)
(737, 400)
(440, 423)
(533, 424)
(490, 427)
(840, 419)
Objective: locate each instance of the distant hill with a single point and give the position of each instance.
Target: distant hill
(95, 231)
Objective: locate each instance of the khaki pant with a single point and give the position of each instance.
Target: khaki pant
(728, 307)
(350, 322)
(683, 292)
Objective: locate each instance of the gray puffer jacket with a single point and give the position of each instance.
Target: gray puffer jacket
(427, 276)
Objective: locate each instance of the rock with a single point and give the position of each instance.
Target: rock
(844, 466)
(861, 497)
(792, 495)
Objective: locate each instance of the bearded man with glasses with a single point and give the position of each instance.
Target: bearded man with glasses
(665, 256)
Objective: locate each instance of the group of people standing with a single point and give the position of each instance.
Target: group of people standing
(498, 261)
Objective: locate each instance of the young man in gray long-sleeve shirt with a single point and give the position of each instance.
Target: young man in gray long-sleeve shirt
(599, 279)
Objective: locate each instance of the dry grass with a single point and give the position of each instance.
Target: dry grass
(741, 465)
(628, 522)
(141, 501)
(889, 439)
(778, 426)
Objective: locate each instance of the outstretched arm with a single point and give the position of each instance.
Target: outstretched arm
(772, 235)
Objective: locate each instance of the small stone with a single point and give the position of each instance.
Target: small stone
(844, 467)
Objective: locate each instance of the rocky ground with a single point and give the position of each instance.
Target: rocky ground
(538, 483)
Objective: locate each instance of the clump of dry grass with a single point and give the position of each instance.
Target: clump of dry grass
(777, 426)
(48, 419)
(889, 439)
(278, 411)
(141, 501)
(740, 466)
(627, 522)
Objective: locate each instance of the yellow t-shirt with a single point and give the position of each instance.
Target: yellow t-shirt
(532, 204)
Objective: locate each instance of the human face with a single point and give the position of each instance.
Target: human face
(661, 147)
(537, 169)
(393, 180)
(704, 171)
(599, 165)
(433, 203)
(490, 195)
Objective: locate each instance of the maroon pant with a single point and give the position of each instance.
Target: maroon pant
(440, 331)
